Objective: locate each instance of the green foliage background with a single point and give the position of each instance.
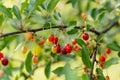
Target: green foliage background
(33, 14)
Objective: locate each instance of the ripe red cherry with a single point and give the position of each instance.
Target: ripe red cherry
(102, 59)
(75, 48)
(1, 55)
(58, 49)
(73, 42)
(101, 65)
(108, 50)
(63, 51)
(42, 41)
(68, 48)
(85, 36)
(55, 40)
(35, 59)
(4, 61)
(67, 44)
(51, 38)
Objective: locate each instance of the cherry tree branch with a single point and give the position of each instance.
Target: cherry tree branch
(93, 62)
(41, 29)
(109, 27)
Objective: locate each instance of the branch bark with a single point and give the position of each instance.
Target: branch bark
(109, 27)
(40, 29)
(93, 62)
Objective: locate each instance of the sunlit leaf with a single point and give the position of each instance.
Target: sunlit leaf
(72, 31)
(113, 46)
(6, 11)
(84, 53)
(59, 70)
(16, 12)
(47, 70)
(28, 63)
(72, 23)
(52, 5)
(85, 77)
(100, 38)
(110, 62)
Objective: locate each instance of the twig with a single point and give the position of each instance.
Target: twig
(40, 29)
(109, 27)
(93, 62)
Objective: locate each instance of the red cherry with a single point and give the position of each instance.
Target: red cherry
(58, 49)
(68, 49)
(102, 59)
(85, 36)
(73, 42)
(67, 44)
(75, 48)
(51, 38)
(1, 55)
(63, 51)
(101, 65)
(55, 40)
(35, 59)
(108, 50)
(42, 41)
(4, 61)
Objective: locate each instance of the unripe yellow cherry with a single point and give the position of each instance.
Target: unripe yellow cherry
(28, 35)
(24, 49)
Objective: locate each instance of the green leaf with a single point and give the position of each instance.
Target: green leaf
(84, 54)
(72, 23)
(47, 70)
(46, 25)
(69, 73)
(100, 16)
(73, 2)
(16, 12)
(57, 15)
(80, 42)
(6, 40)
(119, 54)
(101, 77)
(28, 63)
(100, 38)
(110, 62)
(58, 71)
(8, 71)
(113, 46)
(99, 71)
(33, 5)
(24, 5)
(94, 13)
(72, 31)
(52, 4)
(6, 11)
(1, 19)
(85, 57)
(88, 27)
(85, 77)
